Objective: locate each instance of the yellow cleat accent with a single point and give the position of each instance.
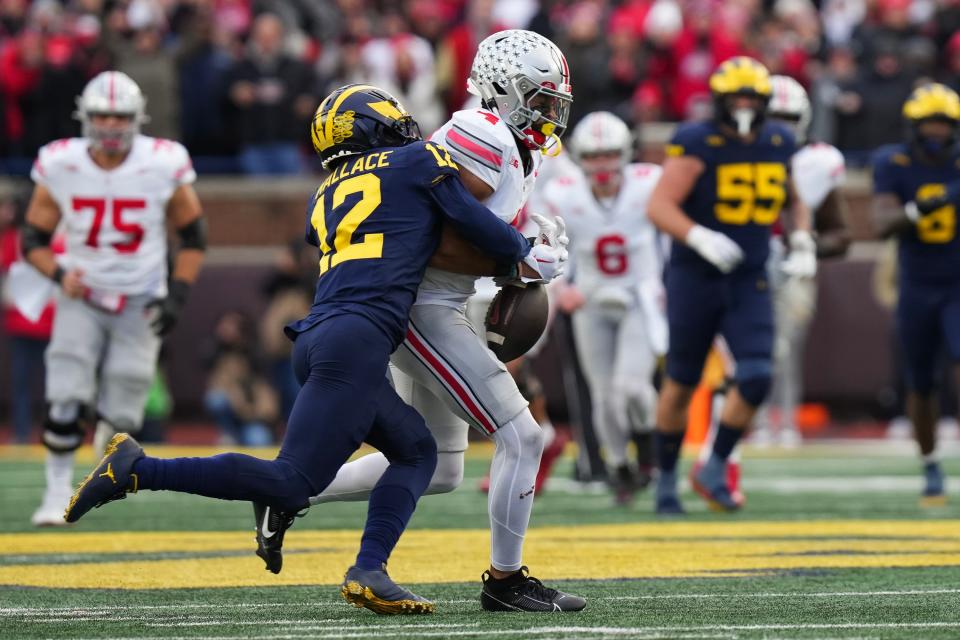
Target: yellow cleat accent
(361, 596)
(109, 473)
(928, 502)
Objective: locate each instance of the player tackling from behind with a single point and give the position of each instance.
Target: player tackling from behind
(616, 292)
(113, 191)
(523, 82)
(724, 183)
(916, 195)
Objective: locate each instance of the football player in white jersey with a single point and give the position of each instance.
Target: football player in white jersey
(523, 82)
(619, 324)
(112, 192)
(818, 171)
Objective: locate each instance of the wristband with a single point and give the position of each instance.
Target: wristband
(58, 274)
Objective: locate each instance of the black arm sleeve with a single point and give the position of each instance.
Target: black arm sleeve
(478, 224)
(194, 235)
(32, 238)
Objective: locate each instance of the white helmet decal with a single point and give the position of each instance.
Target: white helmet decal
(789, 101)
(111, 93)
(511, 69)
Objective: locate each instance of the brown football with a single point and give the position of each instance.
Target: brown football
(516, 319)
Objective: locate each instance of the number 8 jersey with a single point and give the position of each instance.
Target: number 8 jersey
(741, 191)
(114, 221)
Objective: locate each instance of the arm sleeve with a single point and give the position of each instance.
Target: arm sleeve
(474, 221)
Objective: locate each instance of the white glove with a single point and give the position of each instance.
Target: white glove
(549, 262)
(551, 232)
(912, 211)
(802, 261)
(715, 247)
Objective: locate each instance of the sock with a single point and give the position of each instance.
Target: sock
(59, 471)
(727, 438)
(355, 480)
(513, 475)
(931, 458)
(667, 448)
(228, 476)
(643, 441)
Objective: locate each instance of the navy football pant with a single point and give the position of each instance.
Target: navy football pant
(345, 400)
(928, 319)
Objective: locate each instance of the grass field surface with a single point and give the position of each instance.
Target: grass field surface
(832, 544)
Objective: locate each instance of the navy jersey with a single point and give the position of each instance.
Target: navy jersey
(929, 250)
(376, 220)
(741, 191)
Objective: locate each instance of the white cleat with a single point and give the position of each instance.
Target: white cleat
(790, 438)
(50, 512)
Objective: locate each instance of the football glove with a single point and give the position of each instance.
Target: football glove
(715, 247)
(549, 262)
(551, 232)
(167, 310)
(802, 261)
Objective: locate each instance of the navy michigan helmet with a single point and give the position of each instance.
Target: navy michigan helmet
(357, 118)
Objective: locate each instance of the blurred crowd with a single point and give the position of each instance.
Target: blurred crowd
(238, 80)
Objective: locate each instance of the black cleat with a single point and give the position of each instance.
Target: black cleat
(521, 592)
(375, 590)
(112, 479)
(271, 525)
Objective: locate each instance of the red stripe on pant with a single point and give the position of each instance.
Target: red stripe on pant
(452, 383)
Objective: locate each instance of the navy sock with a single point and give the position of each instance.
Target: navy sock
(727, 438)
(228, 476)
(667, 446)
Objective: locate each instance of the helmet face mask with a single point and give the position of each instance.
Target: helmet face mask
(738, 78)
(357, 118)
(111, 93)
(525, 78)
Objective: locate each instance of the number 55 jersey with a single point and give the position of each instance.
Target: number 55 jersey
(741, 191)
(114, 221)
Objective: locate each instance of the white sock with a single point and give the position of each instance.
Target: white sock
(355, 480)
(512, 477)
(59, 472)
(931, 457)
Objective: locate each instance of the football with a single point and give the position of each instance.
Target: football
(516, 319)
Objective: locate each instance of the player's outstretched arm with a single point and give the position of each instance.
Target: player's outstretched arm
(455, 253)
(491, 235)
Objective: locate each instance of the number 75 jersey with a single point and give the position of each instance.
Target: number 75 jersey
(612, 243)
(742, 190)
(114, 222)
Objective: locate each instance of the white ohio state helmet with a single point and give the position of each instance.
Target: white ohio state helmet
(510, 70)
(789, 102)
(111, 93)
(602, 131)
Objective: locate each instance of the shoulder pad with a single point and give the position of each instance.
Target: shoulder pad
(173, 157)
(691, 138)
(54, 156)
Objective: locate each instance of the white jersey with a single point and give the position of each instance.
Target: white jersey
(612, 244)
(481, 143)
(817, 170)
(114, 222)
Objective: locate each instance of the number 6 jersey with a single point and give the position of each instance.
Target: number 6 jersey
(612, 243)
(114, 221)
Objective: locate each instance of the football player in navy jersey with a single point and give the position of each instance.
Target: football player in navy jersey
(916, 194)
(376, 220)
(724, 183)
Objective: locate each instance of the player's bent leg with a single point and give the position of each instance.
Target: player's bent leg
(62, 437)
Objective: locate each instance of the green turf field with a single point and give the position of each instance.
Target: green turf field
(832, 544)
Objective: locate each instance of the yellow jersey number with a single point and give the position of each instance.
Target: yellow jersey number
(938, 226)
(745, 184)
(442, 156)
(370, 245)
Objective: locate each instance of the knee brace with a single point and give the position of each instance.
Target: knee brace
(62, 437)
(753, 380)
(448, 474)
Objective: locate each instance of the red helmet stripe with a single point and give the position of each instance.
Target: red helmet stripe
(112, 75)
